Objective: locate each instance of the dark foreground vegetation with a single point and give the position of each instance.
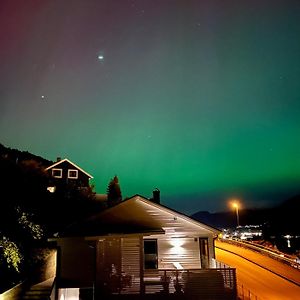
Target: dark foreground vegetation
(29, 214)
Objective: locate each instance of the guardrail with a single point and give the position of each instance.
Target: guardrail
(266, 251)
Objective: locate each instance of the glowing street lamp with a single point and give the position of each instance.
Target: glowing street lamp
(235, 205)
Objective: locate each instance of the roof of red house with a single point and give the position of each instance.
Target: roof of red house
(70, 162)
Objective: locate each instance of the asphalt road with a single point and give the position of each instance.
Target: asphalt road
(261, 282)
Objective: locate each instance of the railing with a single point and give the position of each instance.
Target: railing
(245, 294)
(219, 265)
(188, 284)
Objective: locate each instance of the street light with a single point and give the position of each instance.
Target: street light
(235, 205)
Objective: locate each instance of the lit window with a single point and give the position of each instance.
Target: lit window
(150, 254)
(57, 173)
(72, 174)
(51, 189)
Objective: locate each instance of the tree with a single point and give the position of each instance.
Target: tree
(29, 213)
(114, 195)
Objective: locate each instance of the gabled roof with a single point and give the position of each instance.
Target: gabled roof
(67, 160)
(138, 215)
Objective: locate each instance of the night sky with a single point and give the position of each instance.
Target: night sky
(197, 98)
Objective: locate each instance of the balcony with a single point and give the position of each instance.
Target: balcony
(218, 283)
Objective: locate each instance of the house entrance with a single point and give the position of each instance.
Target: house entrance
(108, 262)
(118, 265)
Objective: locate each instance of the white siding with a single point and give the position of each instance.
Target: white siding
(183, 251)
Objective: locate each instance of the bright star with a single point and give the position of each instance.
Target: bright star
(100, 57)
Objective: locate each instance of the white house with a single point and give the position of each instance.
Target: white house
(140, 247)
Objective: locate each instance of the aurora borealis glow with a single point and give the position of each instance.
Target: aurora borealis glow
(198, 98)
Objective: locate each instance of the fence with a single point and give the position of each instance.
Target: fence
(185, 283)
(245, 294)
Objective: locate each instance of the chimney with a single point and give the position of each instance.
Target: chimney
(58, 159)
(156, 196)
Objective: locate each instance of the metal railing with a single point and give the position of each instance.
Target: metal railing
(219, 265)
(244, 293)
(189, 283)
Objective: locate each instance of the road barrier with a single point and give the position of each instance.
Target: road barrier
(266, 251)
(264, 267)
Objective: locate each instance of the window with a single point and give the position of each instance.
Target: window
(204, 253)
(72, 174)
(57, 173)
(150, 254)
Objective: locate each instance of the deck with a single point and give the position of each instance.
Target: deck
(168, 284)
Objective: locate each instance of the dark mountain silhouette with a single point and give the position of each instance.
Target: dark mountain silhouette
(285, 217)
(278, 220)
(18, 156)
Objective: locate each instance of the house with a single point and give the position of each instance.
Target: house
(140, 247)
(63, 171)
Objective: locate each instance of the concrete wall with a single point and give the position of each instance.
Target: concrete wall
(14, 293)
(45, 269)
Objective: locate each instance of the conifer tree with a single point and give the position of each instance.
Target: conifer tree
(114, 195)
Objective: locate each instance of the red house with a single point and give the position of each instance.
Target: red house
(66, 172)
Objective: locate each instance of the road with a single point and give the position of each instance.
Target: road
(261, 282)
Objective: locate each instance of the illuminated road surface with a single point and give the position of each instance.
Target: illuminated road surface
(259, 281)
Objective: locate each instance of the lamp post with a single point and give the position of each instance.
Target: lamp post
(236, 206)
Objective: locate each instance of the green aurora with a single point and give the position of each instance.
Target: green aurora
(197, 98)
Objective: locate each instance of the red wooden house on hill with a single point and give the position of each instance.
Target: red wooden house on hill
(66, 172)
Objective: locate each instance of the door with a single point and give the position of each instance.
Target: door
(108, 264)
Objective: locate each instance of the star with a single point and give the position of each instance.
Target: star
(100, 57)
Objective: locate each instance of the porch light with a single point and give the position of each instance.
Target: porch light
(51, 189)
(177, 244)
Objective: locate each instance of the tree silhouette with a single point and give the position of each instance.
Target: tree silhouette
(114, 195)
(27, 209)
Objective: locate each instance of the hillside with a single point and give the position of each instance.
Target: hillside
(29, 213)
(19, 156)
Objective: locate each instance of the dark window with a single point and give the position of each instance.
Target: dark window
(150, 254)
(57, 173)
(73, 174)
